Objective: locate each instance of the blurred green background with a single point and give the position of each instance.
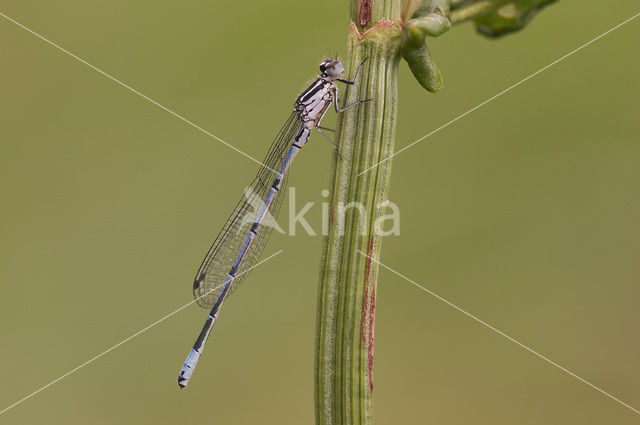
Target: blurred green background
(524, 213)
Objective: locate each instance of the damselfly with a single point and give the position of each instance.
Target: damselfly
(243, 237)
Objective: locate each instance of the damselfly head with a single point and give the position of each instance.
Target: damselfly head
(331, 67)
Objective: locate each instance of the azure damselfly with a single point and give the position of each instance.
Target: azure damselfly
(242, 238)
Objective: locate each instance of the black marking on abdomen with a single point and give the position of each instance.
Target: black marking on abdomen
(203, 334)
(181, 379)
(254, 228)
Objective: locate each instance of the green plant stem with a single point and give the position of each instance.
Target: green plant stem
(379, 32)
(346, 298)
(476, 9)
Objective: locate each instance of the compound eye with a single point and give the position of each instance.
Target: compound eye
(335, 69)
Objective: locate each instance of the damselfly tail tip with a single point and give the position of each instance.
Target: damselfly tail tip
(187, 368)
(182, 381)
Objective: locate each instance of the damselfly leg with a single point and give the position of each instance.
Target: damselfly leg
(335, 146)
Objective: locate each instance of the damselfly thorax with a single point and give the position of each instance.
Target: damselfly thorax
(314, 102)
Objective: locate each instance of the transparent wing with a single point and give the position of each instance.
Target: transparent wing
(225, 248)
